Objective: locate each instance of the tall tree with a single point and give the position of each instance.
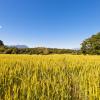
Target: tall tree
(91, 45)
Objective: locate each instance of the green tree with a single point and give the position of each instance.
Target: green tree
(1, 43)
(14, 50)
(8, 51)
(91, 45)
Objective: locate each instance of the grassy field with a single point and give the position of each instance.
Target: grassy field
(51, 77)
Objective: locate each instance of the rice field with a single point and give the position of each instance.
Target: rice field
(49, 77)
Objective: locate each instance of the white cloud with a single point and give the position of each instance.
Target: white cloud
(0, 27)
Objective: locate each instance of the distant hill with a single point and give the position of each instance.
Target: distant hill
(19, 46)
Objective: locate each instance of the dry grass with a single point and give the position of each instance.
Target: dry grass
(52, 77)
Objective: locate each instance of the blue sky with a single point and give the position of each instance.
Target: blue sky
(49, 23)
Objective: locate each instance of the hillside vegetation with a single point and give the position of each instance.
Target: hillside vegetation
(51, 77)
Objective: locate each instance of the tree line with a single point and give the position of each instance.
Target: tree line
(38, 50)
(88, 46)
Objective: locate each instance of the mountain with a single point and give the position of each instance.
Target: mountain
(19, 46)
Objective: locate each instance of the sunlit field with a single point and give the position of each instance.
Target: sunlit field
(49, 77)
